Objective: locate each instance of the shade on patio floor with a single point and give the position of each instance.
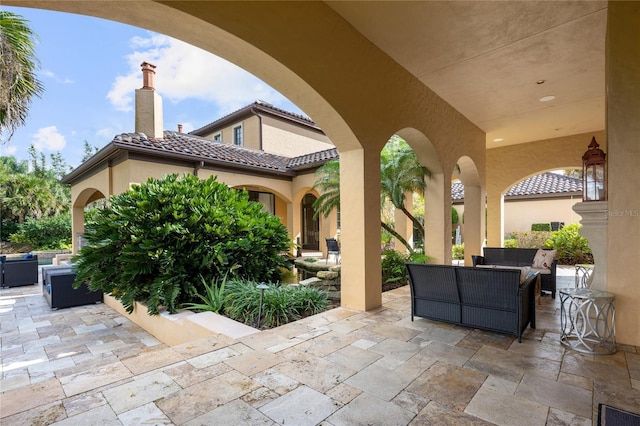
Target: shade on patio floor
(89, 365)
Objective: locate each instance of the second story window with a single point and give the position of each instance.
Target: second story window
(237, 135)
(217, 137)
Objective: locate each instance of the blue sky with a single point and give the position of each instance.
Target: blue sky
(90, 69)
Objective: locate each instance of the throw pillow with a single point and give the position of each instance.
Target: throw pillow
(544, 259)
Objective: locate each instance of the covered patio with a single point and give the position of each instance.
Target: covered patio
(487, 92)
(89, 365)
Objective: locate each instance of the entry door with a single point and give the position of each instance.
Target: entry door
(310, 225)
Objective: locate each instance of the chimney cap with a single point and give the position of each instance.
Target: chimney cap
(148, 70)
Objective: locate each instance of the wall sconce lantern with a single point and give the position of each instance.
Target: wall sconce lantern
(594, 173)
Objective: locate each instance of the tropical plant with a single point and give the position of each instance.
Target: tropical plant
(400, 173)
(458, 251)
(18, 66)
(280, 303)
(393, 268)
(213, 298)
(328, 184)
(572, 247)
(151, 243)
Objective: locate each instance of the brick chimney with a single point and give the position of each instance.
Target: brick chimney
(148, 105)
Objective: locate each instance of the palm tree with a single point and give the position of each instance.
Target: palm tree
(328, 184)
(18, 64)
(400, 173)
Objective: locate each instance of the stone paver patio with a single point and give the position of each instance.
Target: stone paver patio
(91, 366)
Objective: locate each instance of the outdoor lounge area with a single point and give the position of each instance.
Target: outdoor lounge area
(90, 365)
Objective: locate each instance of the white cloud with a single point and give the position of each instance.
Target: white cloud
(184, 71)
(8, 150)
(50, 74)
(48, 139)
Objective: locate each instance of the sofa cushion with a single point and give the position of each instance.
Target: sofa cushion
(543, 271)
(524, 270)
(544, 259)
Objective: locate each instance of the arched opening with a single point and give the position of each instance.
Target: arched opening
(310, 224)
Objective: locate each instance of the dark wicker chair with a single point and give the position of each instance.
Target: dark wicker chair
(58, 289)
(19, 271)
(332, 248)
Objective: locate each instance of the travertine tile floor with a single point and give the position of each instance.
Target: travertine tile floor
(91, 366)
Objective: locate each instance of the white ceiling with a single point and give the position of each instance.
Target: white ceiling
(486, 57)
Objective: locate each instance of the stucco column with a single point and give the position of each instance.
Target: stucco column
(360, 229)
(437, 219)
(473, 222)
(594, 228)
(623, 158)
(495, 218)
(77, 226)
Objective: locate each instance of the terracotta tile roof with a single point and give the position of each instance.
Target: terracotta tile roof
(260, 106)
(199, 148)
(542, 184)
(312, 159)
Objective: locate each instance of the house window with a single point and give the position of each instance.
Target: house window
(267, 200)
(218, 137)
(237, 135)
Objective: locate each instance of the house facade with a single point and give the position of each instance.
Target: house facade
(271, 153)
(543, 198)
(501, 105)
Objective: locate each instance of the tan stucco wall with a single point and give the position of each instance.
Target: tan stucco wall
(250, 132)
(623, 157)
(291, 141)
(508, 165)
(519, 215)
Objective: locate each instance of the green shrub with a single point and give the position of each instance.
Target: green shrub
(572, 247)
(152, 243)
(418, 257)
(458, 251)
(541, 226)
(533, 239)
(47, 233)
(393, 267)
(511, 243)
(281, 303)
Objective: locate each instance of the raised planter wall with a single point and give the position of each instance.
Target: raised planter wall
(171, 330)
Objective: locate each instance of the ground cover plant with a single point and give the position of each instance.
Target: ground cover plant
(280, 303)
(158, 242)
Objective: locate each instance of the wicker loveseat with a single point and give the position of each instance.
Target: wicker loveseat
(490, 299)
(18, 271)
(520, 257)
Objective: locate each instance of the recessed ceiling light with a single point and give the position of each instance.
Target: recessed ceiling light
(547, 98)
(540, 81)
(498, 140)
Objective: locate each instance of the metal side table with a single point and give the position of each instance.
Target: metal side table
(584, 271)
(587, 319)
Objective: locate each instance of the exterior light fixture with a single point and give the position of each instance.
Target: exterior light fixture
(594, 173)
(262, 287)
(498, 139)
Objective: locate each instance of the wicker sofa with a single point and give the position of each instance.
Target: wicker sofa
(18, 271)
(519, 257)
(58, 290)
(489, 299)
